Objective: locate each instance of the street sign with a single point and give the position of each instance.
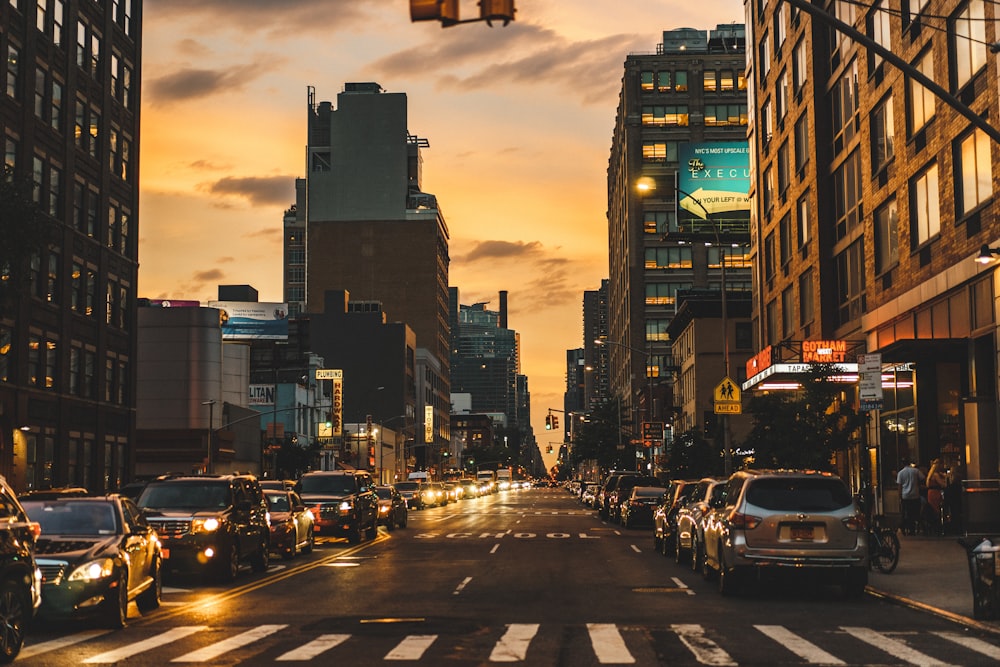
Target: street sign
(870, 381)
(329, 374)
(728, 409)
(728, 398)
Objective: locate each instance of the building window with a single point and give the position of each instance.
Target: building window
(659, 151)
(55, 106)
(802, 147)
(720, 115)
(851, 283)
(787, 311)
(681, 81)
(646, 81)
(767, 183)
(802, 223)
(13, 70)
(55, 191)
(886, 237)
(845, 107)
(76, 289)
(711, 83)
(785, 238)
(925, 211)
(800, 65)
(764, 57)
(975, 176)
(769, 265)
(668, 258)
(841, 43)
(969, 42)
(664, 294)
(921, 99)
(879, 20)
(847, 194)
(52, 280)
(772, 322)
(94, 131)
(883, 146)
(663, 84)
(656, 330)
(669, 115)
(806, 314)
(726, 81)
(40, 86)
(781, 98)
(783, 168)
(654, 222)
(766, 121)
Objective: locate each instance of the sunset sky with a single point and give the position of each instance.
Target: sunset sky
(519, 121)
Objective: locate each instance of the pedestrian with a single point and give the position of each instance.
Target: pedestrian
(909, 479)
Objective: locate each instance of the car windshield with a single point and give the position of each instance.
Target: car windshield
(277, 502)
(327, 485)
(68, 517)
(383, 492)
(407, 486)
(819, 494)
(185, 496)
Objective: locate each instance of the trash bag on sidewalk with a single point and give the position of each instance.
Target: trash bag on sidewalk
(983, 569)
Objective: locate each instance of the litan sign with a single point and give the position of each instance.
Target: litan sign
(823, 351)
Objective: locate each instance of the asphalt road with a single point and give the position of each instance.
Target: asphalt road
(528, 576)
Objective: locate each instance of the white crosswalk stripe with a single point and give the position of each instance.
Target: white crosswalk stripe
(607, 645)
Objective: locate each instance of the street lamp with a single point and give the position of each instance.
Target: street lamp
(987, 254)
(647, 184)
(211, 423)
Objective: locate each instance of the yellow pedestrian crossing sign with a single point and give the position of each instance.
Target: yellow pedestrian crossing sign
(728, 399)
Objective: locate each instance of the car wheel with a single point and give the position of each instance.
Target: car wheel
(293, 550)
(402, 522)
(728, 579)
(707, 573)
(678, 550)
(855, 581)
(310, 542)
(695, 556)
(116, 605)
(260, 560)
(657, 541)
(229, 566)
(390, 524)
(354, 535)
(149, 599)
(372, 530)
(14, 615)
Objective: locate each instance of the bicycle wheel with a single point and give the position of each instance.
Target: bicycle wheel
(886, 554)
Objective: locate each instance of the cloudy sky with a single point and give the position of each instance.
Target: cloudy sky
(519, 121)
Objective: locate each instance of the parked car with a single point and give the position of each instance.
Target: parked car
(95, 555)
(292, 522)
(689, 535)
(411, 494)
(588, 494)
(638, 509)
(391, 507)
(278, 484)
(607, 486)
(343, 503)
(20, 579)
(621, 492)
(770, 520)
(665, 515)
(209, 524)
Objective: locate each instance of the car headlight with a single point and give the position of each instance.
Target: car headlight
(205, 525)
(95, 569)
(309, 513)
(345, 506)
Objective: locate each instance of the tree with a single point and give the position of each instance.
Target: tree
(24, 232)
(802, 429)
(692, 456)
(597, 438)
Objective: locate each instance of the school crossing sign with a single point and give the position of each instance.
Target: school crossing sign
(728, 399)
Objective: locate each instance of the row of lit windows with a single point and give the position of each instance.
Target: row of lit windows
(676, 81)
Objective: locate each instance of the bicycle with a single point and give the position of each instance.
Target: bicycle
(883, 546)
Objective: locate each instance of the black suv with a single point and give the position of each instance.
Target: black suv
(343, 503)
(209, 522)
(20, 580)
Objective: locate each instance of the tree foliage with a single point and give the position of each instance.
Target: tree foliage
(802, 429)
(597, 438)
(691, 456)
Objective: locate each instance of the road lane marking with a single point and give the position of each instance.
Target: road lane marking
(411, 648)
(705, 651)
(971, 643)
(465, 582)
(495, 547)
(62, 642)
(636, 549)
(799, 646)
(893, 647)
(217, 649)
(317, 646)
(163, 639)
(513, 646)
(608, 645)
(681, 585)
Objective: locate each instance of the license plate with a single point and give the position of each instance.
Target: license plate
(802, 532)
(165, 553)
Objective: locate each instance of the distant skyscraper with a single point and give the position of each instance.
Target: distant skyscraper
(691, 91)
(371, 230)
(69, 119)
(595, 357)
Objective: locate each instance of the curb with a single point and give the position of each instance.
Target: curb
(930, 609)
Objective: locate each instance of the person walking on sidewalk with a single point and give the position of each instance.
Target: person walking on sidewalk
(909, 479)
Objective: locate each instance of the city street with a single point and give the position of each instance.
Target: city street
(529, 576)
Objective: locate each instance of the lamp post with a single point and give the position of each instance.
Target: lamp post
(649, 376)
(209, 467)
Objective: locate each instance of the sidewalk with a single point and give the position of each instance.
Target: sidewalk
(933, 575)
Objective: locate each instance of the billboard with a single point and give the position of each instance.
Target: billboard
(250, 320)
(261, 394)
(713, 183)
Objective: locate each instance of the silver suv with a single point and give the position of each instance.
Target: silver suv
(785, 519)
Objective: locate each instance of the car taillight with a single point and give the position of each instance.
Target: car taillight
(855, 523)
(744, 521)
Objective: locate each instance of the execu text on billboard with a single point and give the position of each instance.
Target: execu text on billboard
(714, 180)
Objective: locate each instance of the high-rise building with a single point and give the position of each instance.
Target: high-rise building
(595, 357)
(874, 196)
(686, 99)
(294, 252)
(373, 232)
(69, 121)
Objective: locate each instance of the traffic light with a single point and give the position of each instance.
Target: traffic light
(329, 420)
(496, 10)
(445, 11)
(548, 422)
(555, 421)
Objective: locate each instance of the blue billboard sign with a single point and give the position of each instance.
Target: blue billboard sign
(242, 320)
(713, 183)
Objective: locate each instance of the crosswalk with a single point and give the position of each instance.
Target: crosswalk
(609, 644)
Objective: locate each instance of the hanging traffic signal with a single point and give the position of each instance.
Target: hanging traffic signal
(555, 421)
(445, 11)
(496, 10)
(548, 422)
